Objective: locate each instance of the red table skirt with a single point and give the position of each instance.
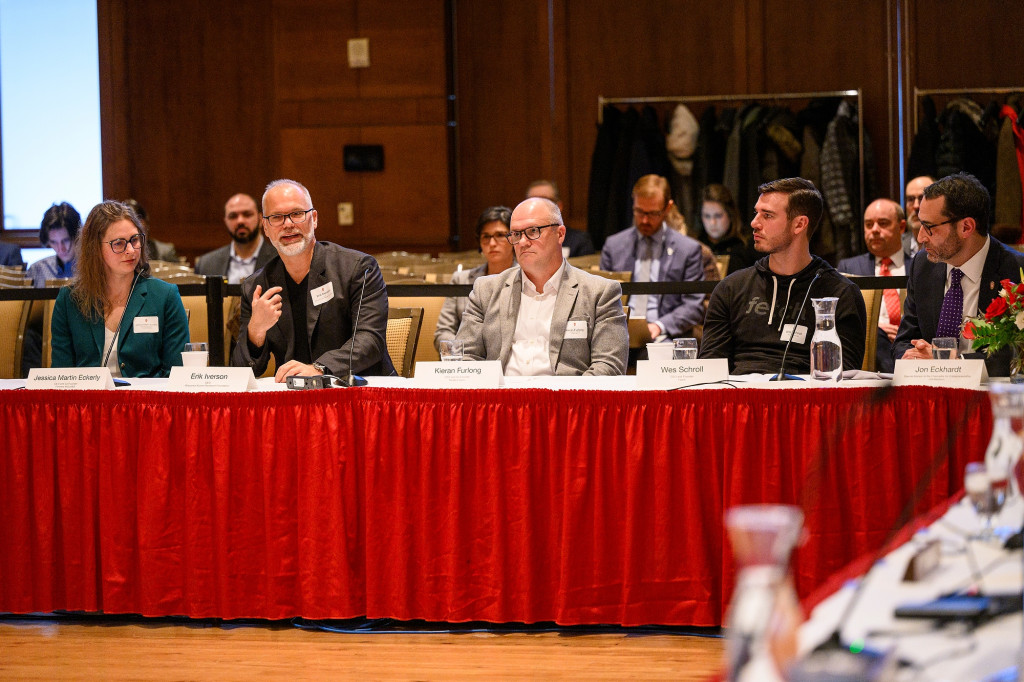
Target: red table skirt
(515, 505)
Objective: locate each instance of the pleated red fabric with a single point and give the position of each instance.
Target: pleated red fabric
(505, 506)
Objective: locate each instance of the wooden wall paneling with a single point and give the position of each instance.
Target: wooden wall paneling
(311, 49)
(832, 55)
(115, 105)
(407, 48)
(986, 51)
(502, 103)
(649, 49)
(190, 121)
(405, 206)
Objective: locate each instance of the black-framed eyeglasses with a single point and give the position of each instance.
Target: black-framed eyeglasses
(497, 236)
(928, 227)
(531, 233)
(297, 217)
(650, 215)
(119, 245)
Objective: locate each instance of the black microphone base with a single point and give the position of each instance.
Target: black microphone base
(786, 377)
(352, 381)
(836, 663)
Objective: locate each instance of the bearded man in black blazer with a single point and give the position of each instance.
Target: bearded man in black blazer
(958, 261)
(303, 304)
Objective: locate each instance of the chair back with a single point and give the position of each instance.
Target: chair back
(403, 334)
(873, 306)
(723, 265)
(13, 320)
(431, 307)
(591, 262)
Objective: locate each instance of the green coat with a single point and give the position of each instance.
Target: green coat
(78, 341)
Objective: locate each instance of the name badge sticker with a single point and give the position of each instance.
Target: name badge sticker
(146, 325)
(799, 337)
(576, 329)
(322, 294)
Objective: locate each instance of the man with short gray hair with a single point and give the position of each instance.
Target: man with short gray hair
(302, 306)
(545, 317)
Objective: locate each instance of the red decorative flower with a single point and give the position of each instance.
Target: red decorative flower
(968, 333)
(1007, 285)
(996, 308)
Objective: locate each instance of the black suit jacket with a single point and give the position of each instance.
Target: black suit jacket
(329, 324)
(10, 254)
(577, 242)
(215, 263)
(925, 284)
(864, 266)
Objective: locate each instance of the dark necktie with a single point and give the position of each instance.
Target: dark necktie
(951, 317)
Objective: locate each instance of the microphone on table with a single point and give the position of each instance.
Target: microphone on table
(329, 380)
(354, 379)
(782, 368)
(117, 332)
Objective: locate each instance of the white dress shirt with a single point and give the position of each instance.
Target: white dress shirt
(532, 338)
(971, 284)
(240, 268)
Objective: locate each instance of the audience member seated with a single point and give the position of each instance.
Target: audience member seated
(655, 253)
(311, 328)
(752, 312)
(884, 227)
(247, 252)
(59, 229)
(112, 315)
(155, 249)
(10, 254)
(577, 242)
(720, 223)
(492, 234)
(545, 317)
(915, 192)
(957, 273)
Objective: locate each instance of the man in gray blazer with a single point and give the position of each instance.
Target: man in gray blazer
(545, 317)
(248, 250)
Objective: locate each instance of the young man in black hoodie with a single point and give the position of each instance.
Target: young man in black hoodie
(751, 314)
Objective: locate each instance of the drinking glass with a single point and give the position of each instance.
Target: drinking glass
(195, 355)
(684, 349)
(451, 350)
(944, 348)
(659, 351)
(979, 488)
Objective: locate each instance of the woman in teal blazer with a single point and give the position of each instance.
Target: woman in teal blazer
(111, 314)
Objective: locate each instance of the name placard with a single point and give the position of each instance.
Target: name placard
(485, 374)
(662, 374)
(953, 373)
(212, 379)
(70, 378)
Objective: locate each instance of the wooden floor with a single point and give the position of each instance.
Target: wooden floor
(159, 650)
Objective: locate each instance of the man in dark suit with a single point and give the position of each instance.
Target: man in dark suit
(248, 250)
(10, 254)
(654, 252)
(884, 226)
(303, 304)
(576, 242)
(957, 273)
